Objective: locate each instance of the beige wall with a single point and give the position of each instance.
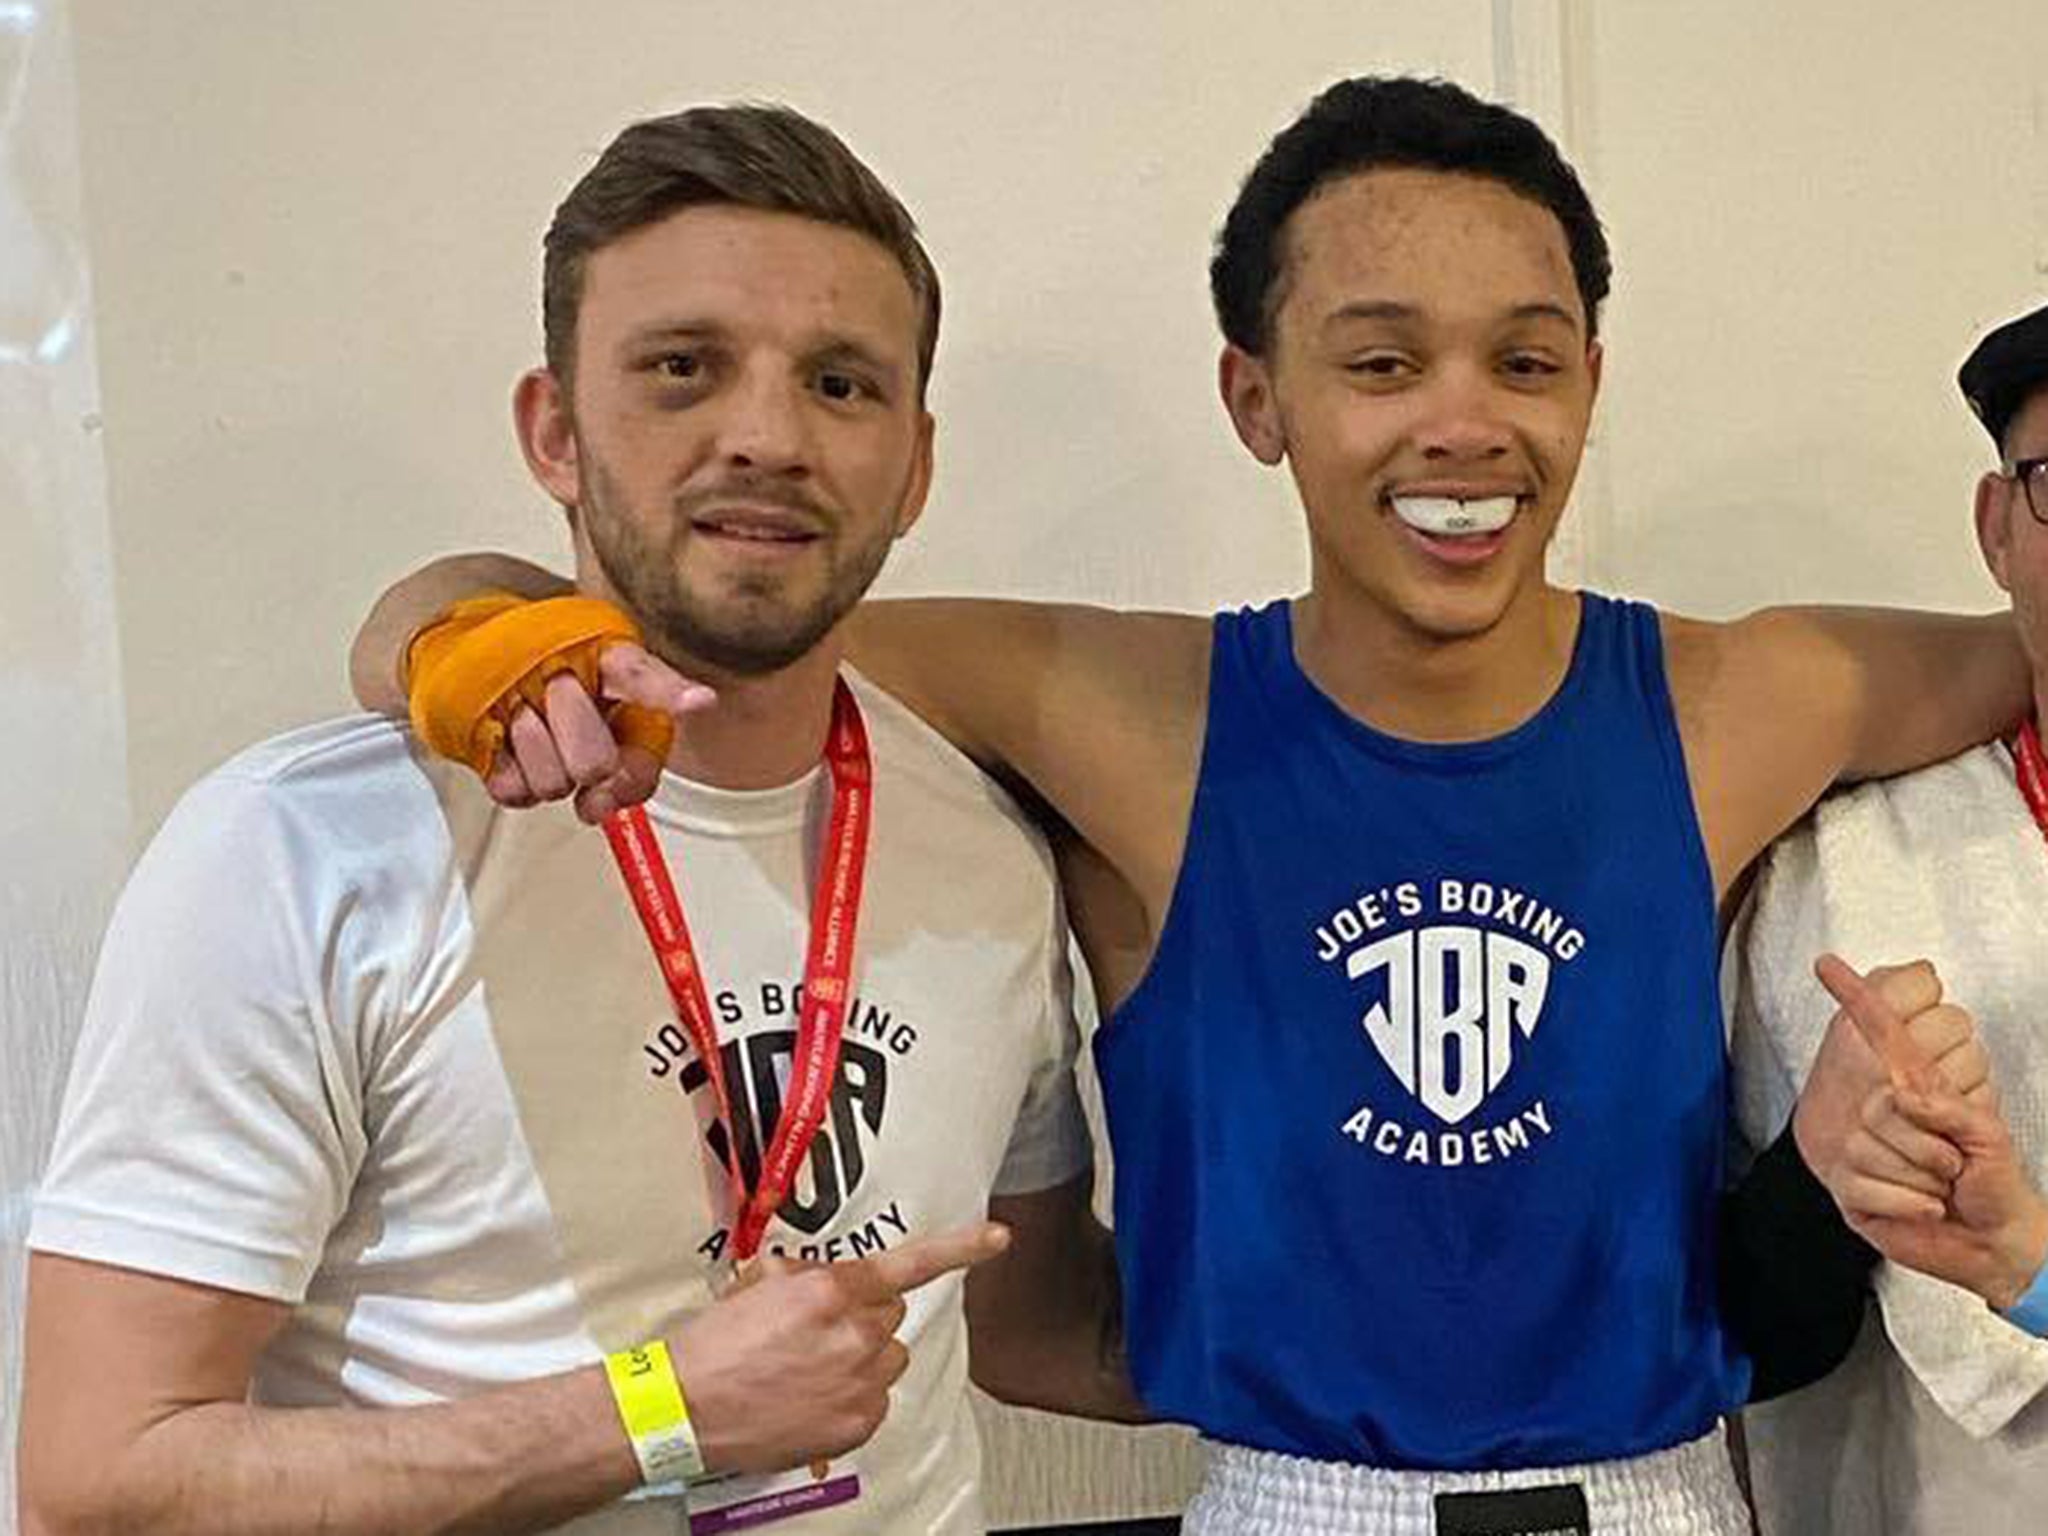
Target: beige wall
(314, 231)
(1816, 208)
(313, 236)
(316, 234)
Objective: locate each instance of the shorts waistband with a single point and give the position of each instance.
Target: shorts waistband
(1688, 1490)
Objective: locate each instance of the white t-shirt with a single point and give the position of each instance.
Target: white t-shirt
(362, 1043)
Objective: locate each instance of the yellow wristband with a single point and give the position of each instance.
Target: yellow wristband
(657, 1420)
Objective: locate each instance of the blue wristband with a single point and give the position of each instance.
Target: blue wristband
(2031, 1310)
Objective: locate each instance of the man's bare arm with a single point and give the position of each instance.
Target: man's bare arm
(135, 1411)
(1928, 685)
(1045, 1321)
(1100, 712)
(134, 1418)
(1777, 707)
(376, 661)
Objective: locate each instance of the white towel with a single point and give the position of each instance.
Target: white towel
(1946, 865)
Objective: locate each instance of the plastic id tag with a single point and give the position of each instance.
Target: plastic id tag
(749, 1503)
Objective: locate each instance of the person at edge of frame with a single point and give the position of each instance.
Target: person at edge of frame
(1938, 1422)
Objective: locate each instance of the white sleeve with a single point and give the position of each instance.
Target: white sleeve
(212, 1125)
(1051, 1144)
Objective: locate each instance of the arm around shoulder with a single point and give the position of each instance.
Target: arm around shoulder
(1926, 685)
(1101, 713)
(1778, 706)
(376, 659)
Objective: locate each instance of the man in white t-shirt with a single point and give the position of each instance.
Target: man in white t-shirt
(382, 1103)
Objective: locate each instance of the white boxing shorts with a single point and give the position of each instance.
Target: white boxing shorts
(1689, 1490)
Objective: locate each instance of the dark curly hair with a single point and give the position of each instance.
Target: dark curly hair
(1374, 122)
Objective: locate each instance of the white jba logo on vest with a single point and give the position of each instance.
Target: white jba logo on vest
(1455, 974)
(1455, 1000)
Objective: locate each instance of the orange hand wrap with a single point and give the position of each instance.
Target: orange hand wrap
(471, 670)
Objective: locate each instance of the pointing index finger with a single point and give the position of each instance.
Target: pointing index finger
(924, 1259)
(1878, 1022)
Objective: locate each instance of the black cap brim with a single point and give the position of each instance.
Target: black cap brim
(2004, 369)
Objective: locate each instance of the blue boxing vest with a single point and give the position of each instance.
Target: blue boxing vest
(1418, 1112)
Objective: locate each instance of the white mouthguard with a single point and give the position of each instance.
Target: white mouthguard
(1446, 516)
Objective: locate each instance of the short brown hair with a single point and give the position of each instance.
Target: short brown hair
(754, 155)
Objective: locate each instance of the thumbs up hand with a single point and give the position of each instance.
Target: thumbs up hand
(1923, 1169)
(1892, 1028)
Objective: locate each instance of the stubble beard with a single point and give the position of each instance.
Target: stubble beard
(751, 628)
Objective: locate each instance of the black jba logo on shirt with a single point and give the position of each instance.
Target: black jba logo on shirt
(1558, 1509)
(757, 1068)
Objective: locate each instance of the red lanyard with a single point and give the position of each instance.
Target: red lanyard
(828, 969)
(2032, 767)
